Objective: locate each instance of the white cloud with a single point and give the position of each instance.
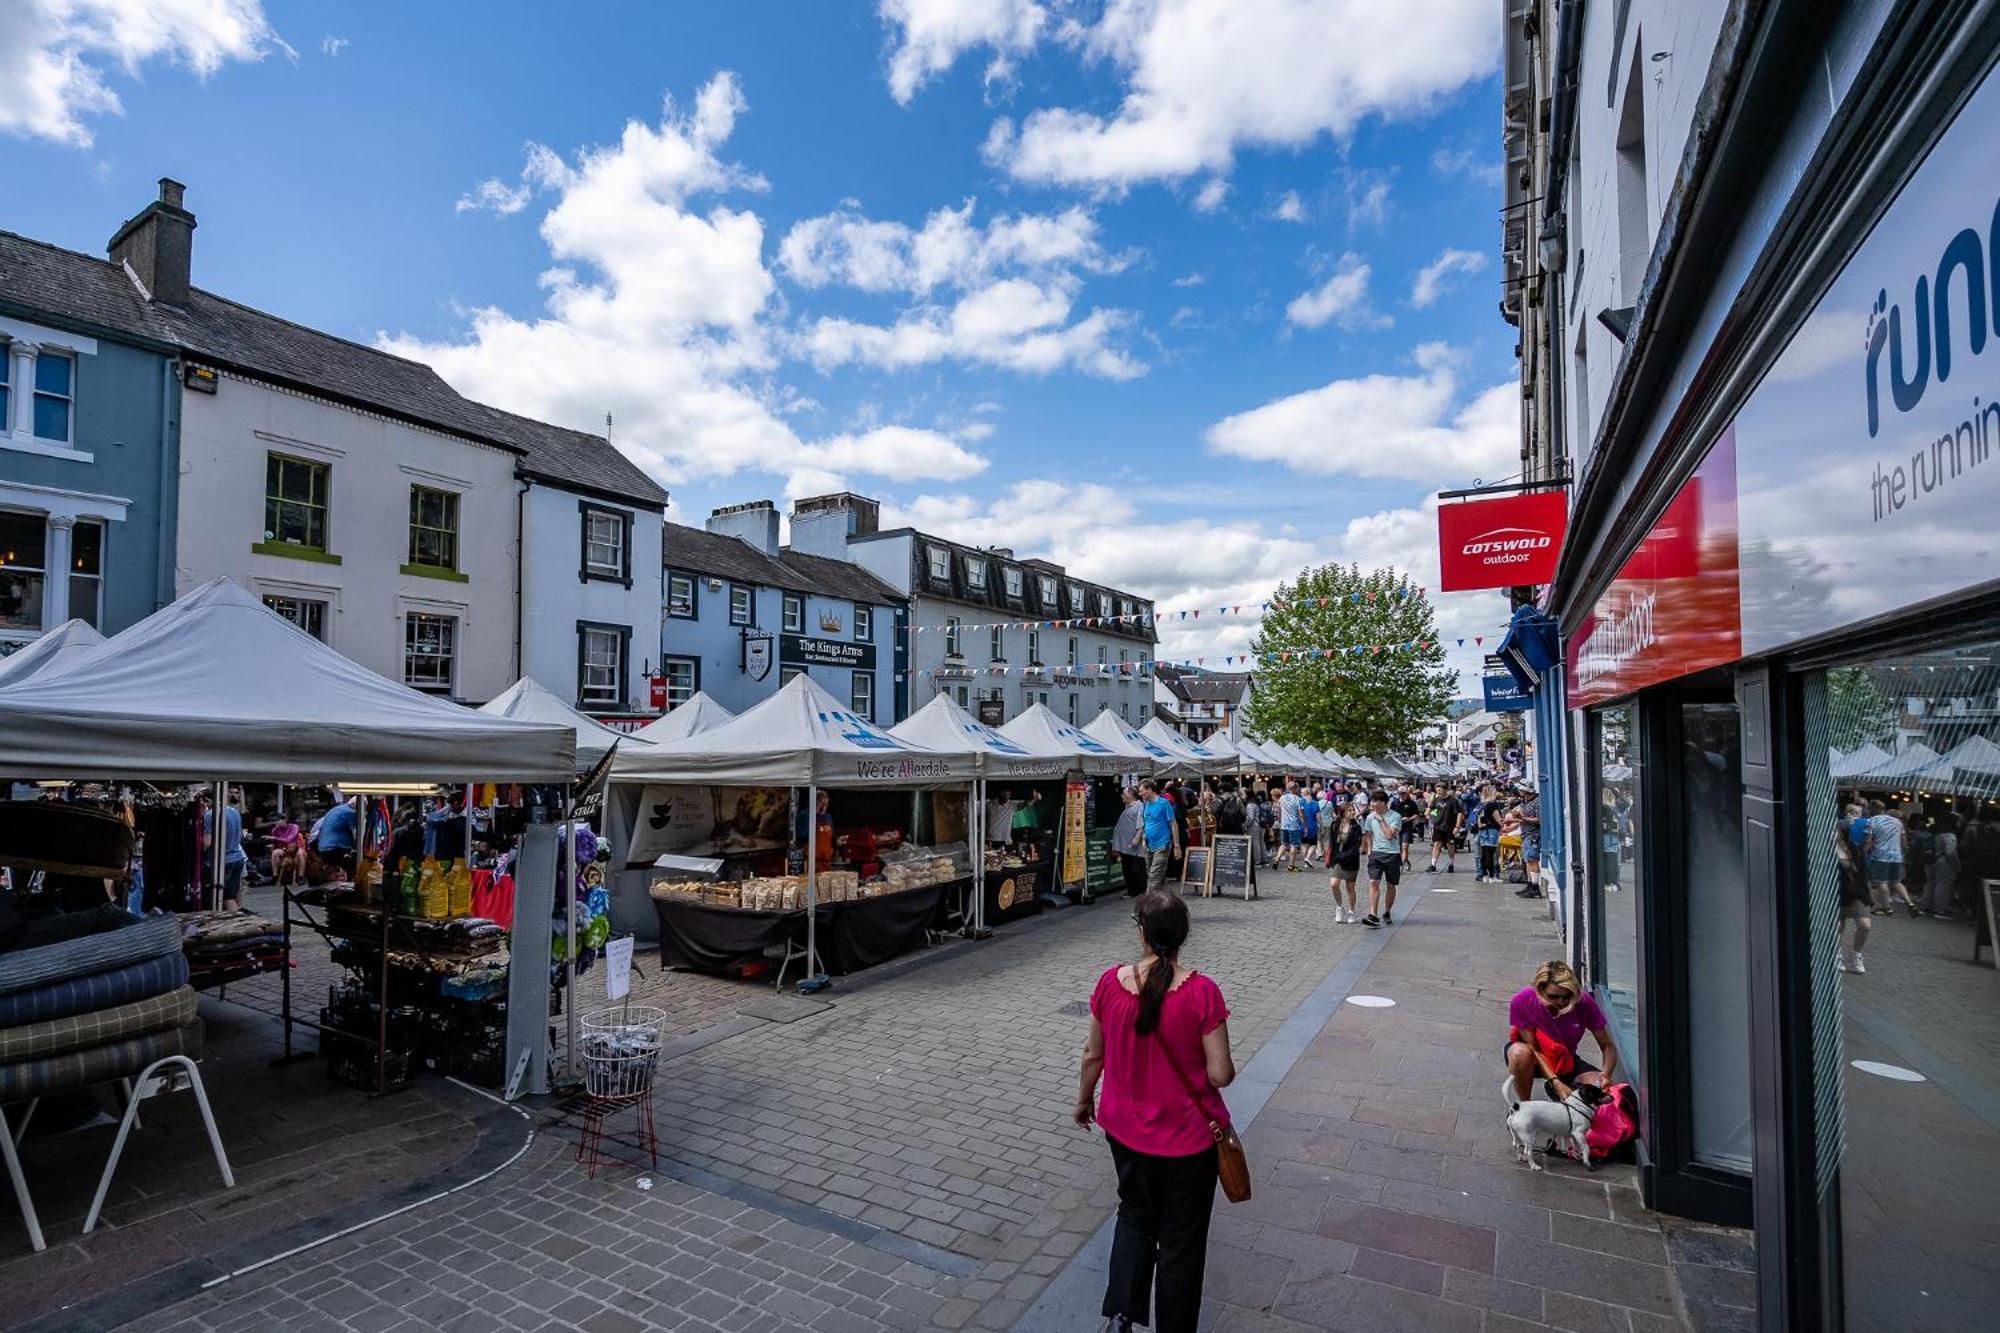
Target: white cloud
(1418, 427)
(1013, 286)
(332, 46)
(1467, 163)
(1202, 80)
(1211, 195)
(658, 310)
(1342, 298)
(1367, 200)
(1289, 208)
(1434, 278)
(1191, 280)
(55, 55)
(932, 34)
(949, 250)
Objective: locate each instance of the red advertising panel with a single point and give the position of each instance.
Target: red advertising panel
(1501, 543)
(656, 693)
(1675, 608)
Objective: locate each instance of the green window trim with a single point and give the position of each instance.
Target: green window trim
(294, 551)
(434, 572)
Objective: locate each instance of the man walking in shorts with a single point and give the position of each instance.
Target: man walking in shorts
(1382, 842)
(1291, 826)
(1446, 817)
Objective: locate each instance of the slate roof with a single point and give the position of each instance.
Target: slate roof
(699, 551)
(49, 282)
(1223, 687)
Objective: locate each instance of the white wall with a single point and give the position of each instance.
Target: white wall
(372, 463)
(1669, 46)
(554, 597)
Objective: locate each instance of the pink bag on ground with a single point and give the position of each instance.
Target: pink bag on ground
(1615, 1124)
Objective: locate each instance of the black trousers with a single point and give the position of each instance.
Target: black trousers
(1135, 874)
(1161, 1245)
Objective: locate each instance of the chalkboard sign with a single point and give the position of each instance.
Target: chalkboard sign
(1195, 869)
(1231, 873)
(1986, 934)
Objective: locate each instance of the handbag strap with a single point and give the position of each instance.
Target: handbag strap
(1187, 1084)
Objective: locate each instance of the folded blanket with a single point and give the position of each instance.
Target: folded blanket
(101, 1027)
(100, 990)
(98, 1064)
(25, 969)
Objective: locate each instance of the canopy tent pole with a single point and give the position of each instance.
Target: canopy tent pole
(570, 1071)
(979, 858)
(218, 803)
(812, 885)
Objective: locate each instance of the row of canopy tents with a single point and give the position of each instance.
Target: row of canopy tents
(1970, 768)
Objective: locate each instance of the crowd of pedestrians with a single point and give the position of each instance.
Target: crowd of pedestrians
(1925, 862)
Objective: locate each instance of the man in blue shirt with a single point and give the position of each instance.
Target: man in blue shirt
(234, 858)
(1163, 838)
(335, 839)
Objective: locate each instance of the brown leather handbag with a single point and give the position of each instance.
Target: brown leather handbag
(1231, 1165)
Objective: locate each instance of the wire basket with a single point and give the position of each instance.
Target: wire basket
(620, 1049)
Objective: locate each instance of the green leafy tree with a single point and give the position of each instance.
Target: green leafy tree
(1857, 711)
(1374, 702)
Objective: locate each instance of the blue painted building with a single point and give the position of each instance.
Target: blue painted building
(89, 429)
(743, 615)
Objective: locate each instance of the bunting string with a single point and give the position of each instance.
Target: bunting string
(1142, 666)
(1157, 617)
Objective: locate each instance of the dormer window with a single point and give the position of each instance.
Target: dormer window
(1048, 593)
(1011, 580)
(1104, 605)
(940, 562)
(975, 573)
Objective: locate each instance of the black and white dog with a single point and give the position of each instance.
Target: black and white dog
(1538, 1122)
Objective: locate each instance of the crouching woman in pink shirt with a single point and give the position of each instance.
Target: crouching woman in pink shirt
(1148, 1019)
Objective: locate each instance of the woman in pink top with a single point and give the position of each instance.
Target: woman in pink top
(1146, 1019)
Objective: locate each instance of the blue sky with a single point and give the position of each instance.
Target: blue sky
(1139, 284)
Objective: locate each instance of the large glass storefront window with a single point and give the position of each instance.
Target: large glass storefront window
(1616, 831)
(1903, 789)
(1717, 920)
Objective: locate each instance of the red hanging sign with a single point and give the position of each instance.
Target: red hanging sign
(1501, 543)
(657, 693)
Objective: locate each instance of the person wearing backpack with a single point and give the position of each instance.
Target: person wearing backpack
(1159, 1042)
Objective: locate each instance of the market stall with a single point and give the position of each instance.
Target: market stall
(694, 715)
(1041, 731)
(1196, 757)
(528, 700)
(723, 801)
(50, 653)
(216, 687)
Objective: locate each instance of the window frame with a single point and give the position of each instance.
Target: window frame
(39, 569)
(788, 674)
(413, 557)
(320, 603)
(599, 572)
(1011, 581)
(938, 563)
(792, 613)
(314, 467)
(1051, 592)
(94, 579)
(864, 623)
(954, 637)
(693, 665)
(36, 395)
(860, 686)
(622, 634)
(996, 641)
(975, 573)
(748, 616)
(1072, 650)
(1034, 647)
(693, 611)
(450, 686)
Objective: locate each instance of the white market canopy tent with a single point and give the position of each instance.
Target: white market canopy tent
(943, 726)
(1145, 755)
(1257, 758)
(1227, 758)
(53, 652)
(1042, 732)
(218, 686)
(696, 714)
(528, 700)
(1189, 756)
(799, 737)
(1853, 765)
(1903, 766)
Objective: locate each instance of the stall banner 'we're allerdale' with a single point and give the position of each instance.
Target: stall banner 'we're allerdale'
(1861, 476)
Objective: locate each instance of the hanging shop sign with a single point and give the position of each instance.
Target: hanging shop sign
(1861, 475)
(656, 693)
(756, 655)
(1501, 543)
(799, 650)
(992, 712)
(1504, 693)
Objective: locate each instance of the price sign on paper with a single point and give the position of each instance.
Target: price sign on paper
(618, 967)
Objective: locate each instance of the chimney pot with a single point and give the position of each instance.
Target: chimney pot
(158, 244)
(171, 191)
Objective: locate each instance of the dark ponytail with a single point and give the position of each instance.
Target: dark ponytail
(1163, 924)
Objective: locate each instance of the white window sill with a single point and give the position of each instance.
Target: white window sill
(28, 444)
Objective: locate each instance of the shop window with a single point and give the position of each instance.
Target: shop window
(1620, 876)
(23, 556)
(864, 623)
(600, 673)
(1902, 831)
(682, 679)
(308, 613)
(86, 573)
(681, 596)
(430, 651)
(55, 375)
(742, 605)
(861, 695)
(607, 544)
(433, 528)
(795, 613)
(295, 501)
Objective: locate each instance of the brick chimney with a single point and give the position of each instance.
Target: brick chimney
(159, 245)
(755, 522)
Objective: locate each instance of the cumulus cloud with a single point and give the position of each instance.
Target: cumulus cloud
(1001, 294)
(1211, 195)
(56, 55)
(929, 36)
(1420, 427)
(1367, 200)
(1289, 208)
(1434, 278)
(1202, 80)
(332, 46)
(659, 308)
(1191, 280)
(1342, 299)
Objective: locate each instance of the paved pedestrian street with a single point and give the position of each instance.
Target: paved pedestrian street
(900, 1157)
